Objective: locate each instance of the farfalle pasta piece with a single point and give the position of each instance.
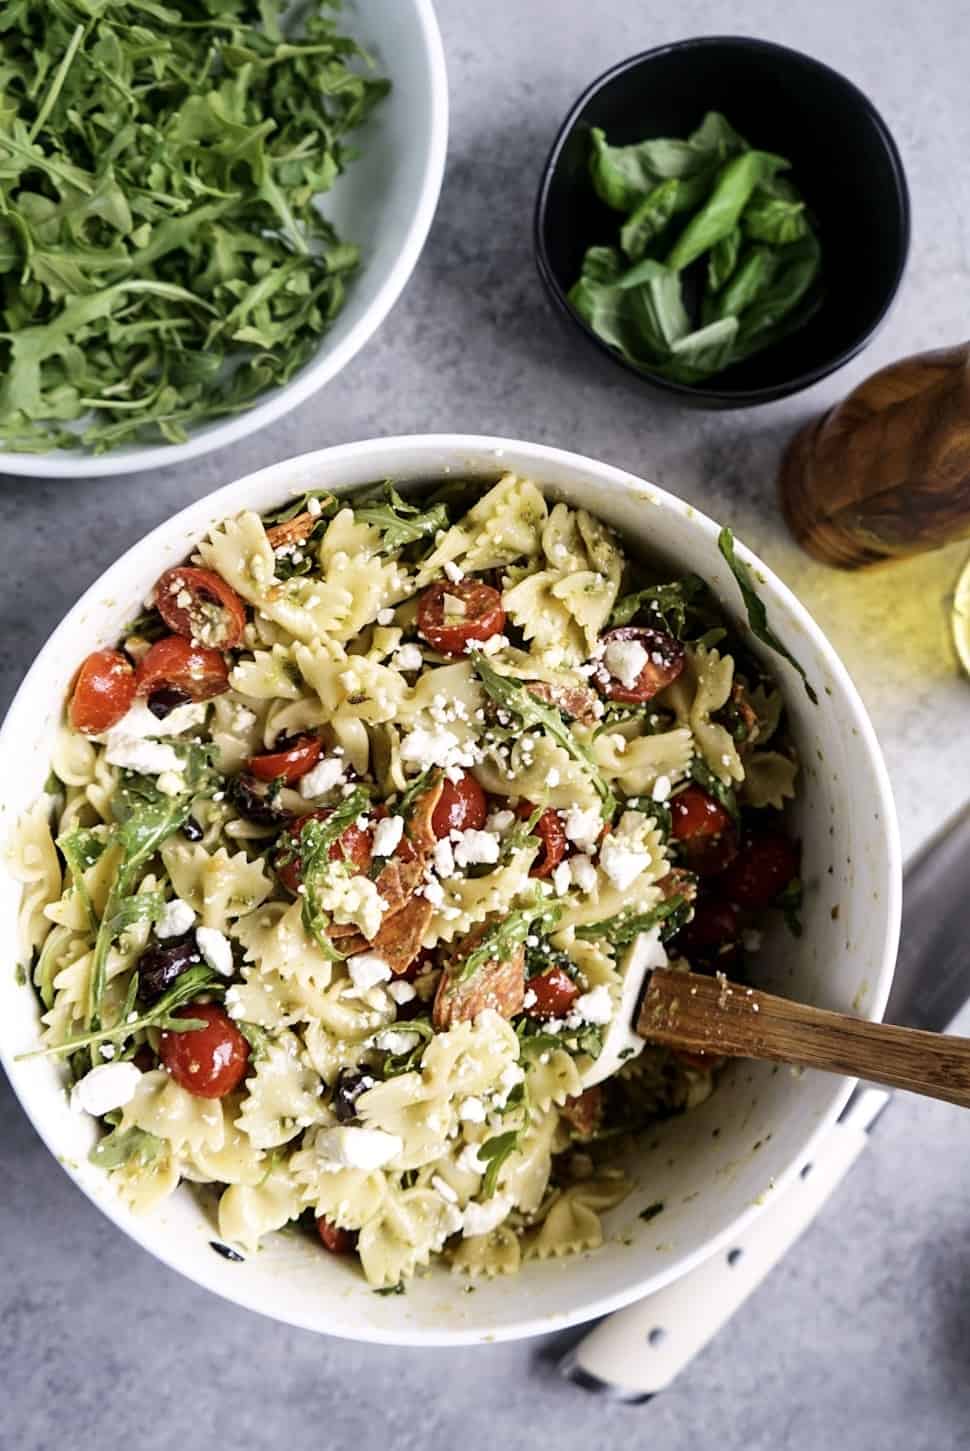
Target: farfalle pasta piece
(268, 675)
(216, 885)
(537, 769)
(552, 1077)
(248, 1212)
(769, 779)
(346, 1197)
(485, 1256)
(505, 525)
(468, 901)
(274, 938)
(573, 1222)
(237, 1161)
(636, 765)
(703, 688)
(524, 1177)
(283, 1095)
(351, 685)
(409, 1227)
(162, 1107)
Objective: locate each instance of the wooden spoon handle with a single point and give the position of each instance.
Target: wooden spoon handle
(706, 1014)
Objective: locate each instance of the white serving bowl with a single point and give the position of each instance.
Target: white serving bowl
(713, 1167)
(384, 202)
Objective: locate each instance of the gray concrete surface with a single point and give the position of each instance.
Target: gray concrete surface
(863, 1336)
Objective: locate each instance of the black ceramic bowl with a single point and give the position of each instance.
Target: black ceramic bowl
(843, 160)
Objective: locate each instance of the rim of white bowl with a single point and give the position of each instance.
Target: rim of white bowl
(196, 516)
(63, 465)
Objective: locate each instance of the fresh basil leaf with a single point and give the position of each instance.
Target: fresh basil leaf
(715, 133)
(623, 175)
(764, 320)
(732, 190)
(494, 1152)
(757, 613)
(723, 259)
(751, 278)
(512, 696)
(701, 353)
(773, 220)
(649, 219)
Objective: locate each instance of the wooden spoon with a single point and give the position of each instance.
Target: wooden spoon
(712, 1015)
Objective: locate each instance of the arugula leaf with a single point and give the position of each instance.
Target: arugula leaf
(124, 1146)
(160, 1015)
(621, 929)
(81, 848)
(316, 839)
(757, 614)
(719, 216)
(511, 695)
(404, 804)
(665, 605)
(495, 1151)
(329, 504)
(701, 772)
(397, 1289)
(505, 934)
(401, 523)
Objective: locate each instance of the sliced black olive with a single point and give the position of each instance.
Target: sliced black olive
(257, 800)
(191, 830)
(167, 698)
(348, 1088)
(163, 962)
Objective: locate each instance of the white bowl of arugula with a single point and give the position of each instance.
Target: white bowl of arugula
(697, 1177)
(204, 220)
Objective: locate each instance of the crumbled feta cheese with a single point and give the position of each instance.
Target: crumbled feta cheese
(471, 1111)
(353, 899)
(475, 848)
(107, 1087)
(452, 607)
(409, 657)
(429, 748)
(401, 993)
(177, 917)
(171, 783)
(493, 644)
(469, 1162)
(625, 660)
(552, 778)
(216, 949)
(444, 858)
(387, 835)
(583, 873)
(367, 969)
(661, 788)
(622, 862)
(385, 617)
(434, 892)
(583, 828)
(314, 507)
(596, 1006)
(349, 1147)
(442, 1187)
(149, 758)
(396, 1041)
(499, 822)
(530, 999)
(326, 774)
(483, 1218)
(751, 939)
(562, 878)
(453, 571)
(139, 723)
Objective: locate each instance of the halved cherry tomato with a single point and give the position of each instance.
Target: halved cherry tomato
(713, 922)
(211, 1061)
(554, 992)
(762, 869)
(293, 757)
(461, 807)
(338, 1241)
(103, 692)
(552, 834)
(353, 845)
(665, 660)
(450, 634)
(198, 604)
(200, 672)
(708, 837)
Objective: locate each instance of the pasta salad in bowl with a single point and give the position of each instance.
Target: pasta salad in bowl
(358, 841)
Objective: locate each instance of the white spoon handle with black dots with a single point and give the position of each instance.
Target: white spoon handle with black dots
(634, 1353)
